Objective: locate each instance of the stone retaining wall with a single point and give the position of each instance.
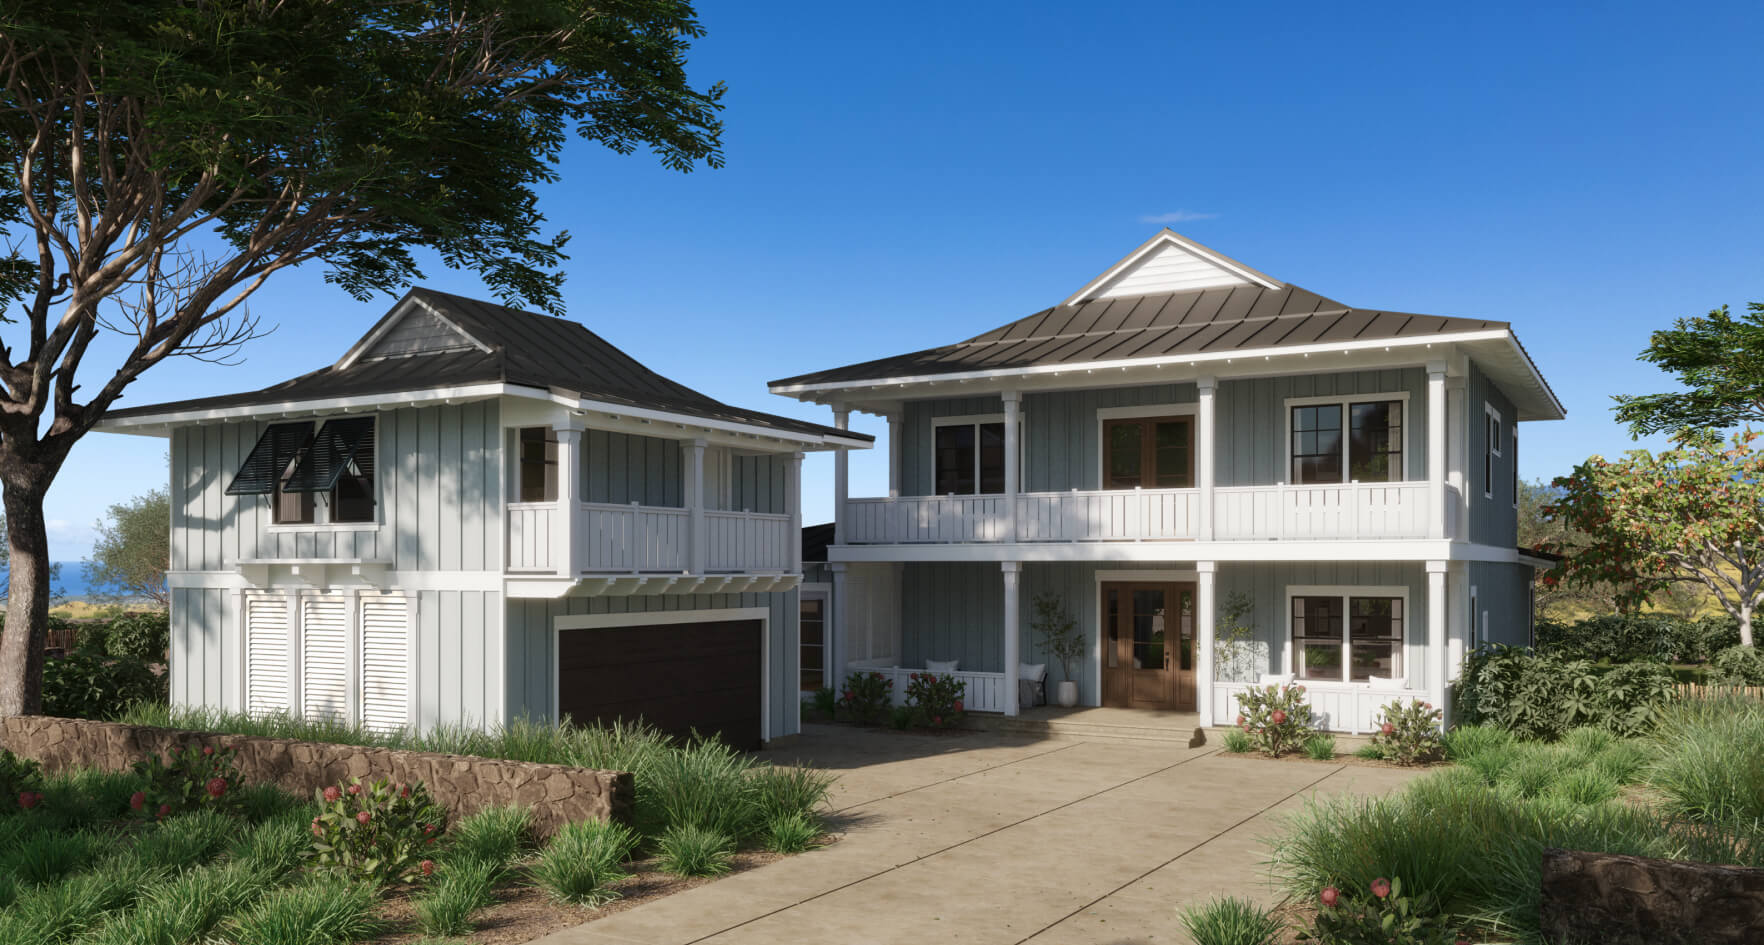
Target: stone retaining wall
(557, 794)
(1632, 900)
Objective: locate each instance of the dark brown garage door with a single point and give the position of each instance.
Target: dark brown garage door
(676, 677)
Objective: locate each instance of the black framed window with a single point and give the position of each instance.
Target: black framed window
(1316, 637)
(1316, 443)
(338, 463)
(1375, 637)
(1491, 449)
(814, 643)
(537, 476)
(1375, 441)
(969, 459)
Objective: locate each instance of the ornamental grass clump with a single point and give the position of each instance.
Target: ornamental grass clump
(1230, 921)
(376, 831)
(453, 892)
(694, 851)
(321, 911)
(1711, 762)
(495, 835)
(1238, 742)
(1408, 733)
(581, 862)
(1320, 747)
(1276, 718)
(1463, 741)
(793, 833)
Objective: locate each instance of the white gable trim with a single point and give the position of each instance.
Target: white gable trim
(1169, 238)
(410, 304)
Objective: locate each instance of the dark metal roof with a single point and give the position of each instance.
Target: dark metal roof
(526, 349)
(1147, 326)
(815, 539)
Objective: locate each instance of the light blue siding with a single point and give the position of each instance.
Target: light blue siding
(1503, 591)
(1493, 520)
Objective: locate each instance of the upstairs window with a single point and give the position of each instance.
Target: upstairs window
(537, 478)
(1369, 449)
(295, 467)
(968, 457)
(1491, 448)
(1149, 453)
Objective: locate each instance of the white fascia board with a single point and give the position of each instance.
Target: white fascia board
(156, 424)
(807, 440)
(1423, 549)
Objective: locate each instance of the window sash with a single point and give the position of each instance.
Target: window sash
(812, 631)
(968, 458)
(536, 476)
(1375, 441)
(1148, 453)
(1316, 446)
(1347, 637)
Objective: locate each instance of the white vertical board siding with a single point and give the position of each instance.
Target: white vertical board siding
(204, 641)
(324, 657)
(532, 675)
(1252, 420)
(1169, 268)
(457, 658)
(385, 663)
(266, 654)
(623, 468)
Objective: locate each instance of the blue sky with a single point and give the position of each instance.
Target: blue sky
(910, 175)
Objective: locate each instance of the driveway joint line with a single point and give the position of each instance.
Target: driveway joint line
(1184, 853)
(981, 836)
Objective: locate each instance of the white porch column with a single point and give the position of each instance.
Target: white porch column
(793, 490)
(696, 539)
(896, 423)
(1204, 464)
(1013, 414)
(1436, 449)
(1437, 648)
(833, 658)
(569, 503)
(1205, 572)
(1013, 631)
(1457, 628)
(1458, 452)
(841, 475)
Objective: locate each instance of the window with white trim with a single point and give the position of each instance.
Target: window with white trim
(968, 455)
(1357, 439)
(1491, 448)
(1349, 636)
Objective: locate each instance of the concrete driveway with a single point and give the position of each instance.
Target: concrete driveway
(1000, 839)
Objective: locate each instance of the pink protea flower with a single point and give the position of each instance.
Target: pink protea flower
(1278, 718)
(164, 811)
(936, 720)
(137, 800)
(355, 789)
(958, 705)
(1381, 887)
(363, 817)
(404, 790)
(1240, 720)
(1387, 728)
(29, 799)
(428, 867)
(216, 787)
(318, 829)
(1330, 896)
(207, 750)
(332, 794)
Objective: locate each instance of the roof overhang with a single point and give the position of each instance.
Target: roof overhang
(1497, 351)
(536, 587)
(754, 435)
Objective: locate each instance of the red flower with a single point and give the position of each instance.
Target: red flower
(404, 790)
(217, 787)
(207, 750)
(331, 794)
(1381, 887)
(936, 720)
(164, 810)
(1240, 720)
(1278, 718)
(137, 800)
(363, 817)
(428, 828)
(355, 789)
(428, 867)
(29, 799)
(1330, 896)
(958, 705)
(318, 829)
(1387, 728)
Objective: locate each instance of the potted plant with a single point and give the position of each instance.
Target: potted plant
(1061, 638)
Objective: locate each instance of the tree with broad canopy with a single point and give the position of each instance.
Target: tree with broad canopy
(1720, 361)
(167, 157)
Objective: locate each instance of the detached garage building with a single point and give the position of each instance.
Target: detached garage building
(479, 514)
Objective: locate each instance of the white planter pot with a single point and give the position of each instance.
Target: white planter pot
(1066, 693)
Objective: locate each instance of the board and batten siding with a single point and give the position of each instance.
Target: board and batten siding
(532, 674)
(1503, 592)
(1252, 420)
(622, 467)
(438, 475)
(1493, 520)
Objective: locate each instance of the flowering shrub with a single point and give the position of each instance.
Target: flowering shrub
(936, 700)
(378, 830)
(1276, 718)
(1408, 732)
(1386, 917)
(865, 697)
(21, 779)
(193, 776)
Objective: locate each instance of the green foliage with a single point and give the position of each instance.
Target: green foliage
(376, 831)
(132, 551)
(1711, 764)
(582, 861)
(456, 890)
(1369, 752)
(1466, 740)
(1408, 732)
(1717, 361)
(936, 701)
(277, 845)
(20, 779)
(1230, 921)
(1058, 632)
(1738, 666)
(194, 776)
(793, 833)
(1238, 742)
(1379, 915)
(323, 911)
(1584, 786)
(1234, 646)
(694, 851)
(901, 718)
(493, 835)
(185, 839)
(141, 636)
(182, 908)
(826, 702)
(866, 697)
(1638, 637)
(785, 791)
(1276, 718)
(1540, 696)
(60, 912)
(85, 685)
(1320, 747)
(705, 784)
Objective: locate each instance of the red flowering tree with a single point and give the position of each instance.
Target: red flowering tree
(1692, 514)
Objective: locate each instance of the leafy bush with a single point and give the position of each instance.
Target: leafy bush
(1629, 638)
(1408, 732)
(694, 851)
(144, 637)
(1382, 916)
(1238, 742)
(1738, 666)
(86, 685)
(194, 776)
(1276, 718)
(1320, 747)
(376, 831)
(936, 700)
(1230, 921)
(900, 717)
(21, 783)
(583, 860)
(866, 697)
(1540, 696)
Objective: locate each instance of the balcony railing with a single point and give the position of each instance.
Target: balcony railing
(611, 538)
(1353, 510)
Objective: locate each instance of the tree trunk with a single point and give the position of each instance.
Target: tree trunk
(1745, 622)
(27, 607)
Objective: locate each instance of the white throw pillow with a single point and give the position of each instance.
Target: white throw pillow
(1031, 671)
(1276, 679)
(1385, 682)
(938, 666)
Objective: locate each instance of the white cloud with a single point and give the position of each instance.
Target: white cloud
(1179, 216)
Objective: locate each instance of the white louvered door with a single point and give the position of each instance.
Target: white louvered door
(266, 655)
(385, 663)
(324, 658)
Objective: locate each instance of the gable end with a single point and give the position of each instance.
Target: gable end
(421, 331)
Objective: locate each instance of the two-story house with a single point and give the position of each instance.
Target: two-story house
(1187, 442)
(479, 514)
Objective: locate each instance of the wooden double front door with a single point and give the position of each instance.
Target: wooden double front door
(1148, 653)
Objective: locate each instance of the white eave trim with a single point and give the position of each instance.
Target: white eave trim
(1171, 236)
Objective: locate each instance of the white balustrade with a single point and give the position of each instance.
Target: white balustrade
(748, 541)
(982, 692)
(1335, 706)
(530, 527)
(633, 537)
(612, 537)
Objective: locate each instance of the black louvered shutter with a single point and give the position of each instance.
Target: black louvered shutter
(270, 458)
(338, 442)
